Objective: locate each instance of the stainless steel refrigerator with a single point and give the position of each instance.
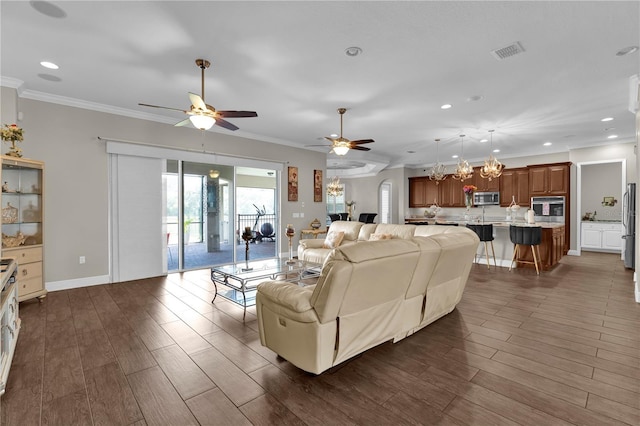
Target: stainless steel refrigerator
(629, 223)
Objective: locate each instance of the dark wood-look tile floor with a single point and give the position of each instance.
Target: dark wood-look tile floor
(559, 348)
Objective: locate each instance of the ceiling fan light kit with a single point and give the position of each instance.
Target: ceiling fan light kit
(202, 122)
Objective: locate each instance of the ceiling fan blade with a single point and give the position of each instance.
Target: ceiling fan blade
(326, 146)
(330, 139)
(197, 101)
(183, 123)
(360, 148)
(223, 123)
(237, 114)
(361, 141)
(163, 107)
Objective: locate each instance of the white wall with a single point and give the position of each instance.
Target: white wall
(77, 181)
(599, 181)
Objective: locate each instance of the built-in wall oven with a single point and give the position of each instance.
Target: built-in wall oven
(549, 209)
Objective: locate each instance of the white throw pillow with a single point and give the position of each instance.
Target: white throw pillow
(333, 239)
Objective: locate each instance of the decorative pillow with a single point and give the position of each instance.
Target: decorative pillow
(378, 237)
(333, 239)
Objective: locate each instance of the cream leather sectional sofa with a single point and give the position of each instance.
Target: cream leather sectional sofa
(368, 292)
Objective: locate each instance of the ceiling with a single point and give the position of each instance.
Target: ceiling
(288, 62)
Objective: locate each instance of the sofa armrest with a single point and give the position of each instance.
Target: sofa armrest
(289, 295)
(311, 243)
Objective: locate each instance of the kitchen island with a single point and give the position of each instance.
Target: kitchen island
(551, 246)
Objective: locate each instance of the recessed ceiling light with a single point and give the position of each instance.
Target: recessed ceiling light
(49, 65)
(607, 119)
(612, 136)
(352, 51)
(547, 144)
(484, 140)
(496, 150)
(454, 156)
(627, 51)
(333, 135)
(446, 106)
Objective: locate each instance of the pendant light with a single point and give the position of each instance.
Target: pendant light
(463, 171)
(334, 188)
(438, 171)
(492, 167)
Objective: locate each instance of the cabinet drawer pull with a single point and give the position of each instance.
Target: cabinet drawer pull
(24, 272)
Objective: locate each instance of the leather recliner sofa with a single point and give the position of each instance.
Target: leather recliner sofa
(367, 293)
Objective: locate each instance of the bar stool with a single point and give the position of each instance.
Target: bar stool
(528, 236)
(485, 233)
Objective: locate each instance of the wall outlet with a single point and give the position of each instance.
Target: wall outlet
(82, 260)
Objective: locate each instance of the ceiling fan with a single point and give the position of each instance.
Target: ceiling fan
(203, 116)
(341, 145)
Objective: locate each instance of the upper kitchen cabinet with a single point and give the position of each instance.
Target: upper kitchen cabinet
(423, 192)
(484, 185)
(514, 186)
(549, 179)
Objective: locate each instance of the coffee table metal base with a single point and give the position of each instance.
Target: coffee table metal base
(241, 280)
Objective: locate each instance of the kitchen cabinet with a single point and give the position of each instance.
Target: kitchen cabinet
(451, 193)
(601, 236)
(514, 185)
(549, 179)
(423, 192)
(484, 185)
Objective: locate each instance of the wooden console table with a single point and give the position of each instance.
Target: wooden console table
(314, 232)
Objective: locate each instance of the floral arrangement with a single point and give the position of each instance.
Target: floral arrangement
(11, 132)
(469, 189)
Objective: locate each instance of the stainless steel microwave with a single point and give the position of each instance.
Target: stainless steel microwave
(486, 198)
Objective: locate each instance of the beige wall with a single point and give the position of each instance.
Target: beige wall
(599, 181)
(77, 177)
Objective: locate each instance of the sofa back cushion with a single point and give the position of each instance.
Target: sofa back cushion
(428, 230)
(351, 229)
(396, 230)
(360, 276)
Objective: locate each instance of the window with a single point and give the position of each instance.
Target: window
(385, 202)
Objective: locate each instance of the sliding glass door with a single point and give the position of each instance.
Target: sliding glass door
(207, 208)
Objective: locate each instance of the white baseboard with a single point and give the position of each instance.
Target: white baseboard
(637, 286)
(77, 283)
(573, 253)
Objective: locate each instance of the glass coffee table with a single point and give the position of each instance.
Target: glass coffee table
(240, 280)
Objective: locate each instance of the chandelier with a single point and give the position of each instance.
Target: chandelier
(463, 171)
(492, 167)
(334, 188)
(438, 171)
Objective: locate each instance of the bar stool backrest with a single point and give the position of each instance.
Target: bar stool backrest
(526, 235)
(484, 231)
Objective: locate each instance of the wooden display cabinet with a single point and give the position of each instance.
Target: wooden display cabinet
(22, 222)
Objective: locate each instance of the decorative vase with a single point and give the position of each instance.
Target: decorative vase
(14, 151)
(468, 200)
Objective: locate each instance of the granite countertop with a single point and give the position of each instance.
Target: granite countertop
(496, 223)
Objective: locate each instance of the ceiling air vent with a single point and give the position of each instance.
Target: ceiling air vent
(507, 51)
